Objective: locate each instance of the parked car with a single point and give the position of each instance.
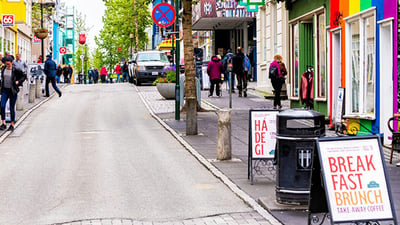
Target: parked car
(146, 66)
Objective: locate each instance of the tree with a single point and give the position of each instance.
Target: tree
(119, 22)
(190, 74)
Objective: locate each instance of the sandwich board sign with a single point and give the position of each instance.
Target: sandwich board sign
(262, 137)
(355, 182)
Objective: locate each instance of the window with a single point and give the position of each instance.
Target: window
(295, 60)
(321, 57)
(361, 76)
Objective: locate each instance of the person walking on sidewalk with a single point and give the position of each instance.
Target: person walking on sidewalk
(50, 69)
(125, 75)
(277, 72)
(238, 68)
(11, 78)
(58, 73)
(225, 60)
(95, 75)
(103, 74)
(214, 71)
(117, 70)
(20, 64)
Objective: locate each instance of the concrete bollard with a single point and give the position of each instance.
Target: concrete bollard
(224, 146)
(20, 99)
(38, 88)
(31, 93)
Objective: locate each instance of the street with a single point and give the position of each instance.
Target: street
(96, 156)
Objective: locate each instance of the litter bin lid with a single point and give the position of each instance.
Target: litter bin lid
(299, 113)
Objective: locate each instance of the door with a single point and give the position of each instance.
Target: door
(386, 77)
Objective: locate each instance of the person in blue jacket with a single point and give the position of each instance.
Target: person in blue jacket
(50, 69)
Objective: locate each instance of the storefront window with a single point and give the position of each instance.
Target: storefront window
(361, 91)
(295, 61)
(321, 73)
(355, 67)
(370, 64)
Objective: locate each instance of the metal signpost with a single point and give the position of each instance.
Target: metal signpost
(164, 15)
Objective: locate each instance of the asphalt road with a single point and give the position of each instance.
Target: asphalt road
(97, 153)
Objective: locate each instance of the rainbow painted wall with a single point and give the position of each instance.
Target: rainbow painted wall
(339, 10)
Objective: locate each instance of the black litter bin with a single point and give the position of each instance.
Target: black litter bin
(297, 130)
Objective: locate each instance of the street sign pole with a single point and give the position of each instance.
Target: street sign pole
(177, 59)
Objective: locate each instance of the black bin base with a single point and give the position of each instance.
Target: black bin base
(292, 198)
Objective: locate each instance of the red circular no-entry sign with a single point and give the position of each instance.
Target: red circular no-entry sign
(163, 14)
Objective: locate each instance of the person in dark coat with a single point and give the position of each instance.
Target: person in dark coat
(238, 69)
(58, 73)
(65, 72)
(11, 78)
(214, 71)
(50, 69)
(96, 75)
(125, 75)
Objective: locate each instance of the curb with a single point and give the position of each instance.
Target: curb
(26, 114)
(218, 174)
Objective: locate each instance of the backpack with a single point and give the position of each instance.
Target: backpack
(273, 73)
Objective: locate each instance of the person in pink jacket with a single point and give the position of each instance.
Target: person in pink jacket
(214, 71)
(103, 74)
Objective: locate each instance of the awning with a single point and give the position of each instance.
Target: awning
(220, 23)
(165, 45)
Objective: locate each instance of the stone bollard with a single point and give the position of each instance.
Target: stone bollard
(224, 146)
(38, 88)
(31, 93)
(20, 99)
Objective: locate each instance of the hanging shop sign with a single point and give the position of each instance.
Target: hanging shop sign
(8, 20)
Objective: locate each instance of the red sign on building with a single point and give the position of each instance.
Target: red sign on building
(8, 20)
(63, 50)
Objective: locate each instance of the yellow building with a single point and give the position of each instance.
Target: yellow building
(9, 36)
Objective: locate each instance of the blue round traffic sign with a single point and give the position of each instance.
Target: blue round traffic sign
(163, 14)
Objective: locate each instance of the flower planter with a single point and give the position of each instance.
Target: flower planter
(167, 90)
(41, 35)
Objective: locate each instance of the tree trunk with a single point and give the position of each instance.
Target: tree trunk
(190, 75)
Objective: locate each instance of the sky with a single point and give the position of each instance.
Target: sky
(94, 10)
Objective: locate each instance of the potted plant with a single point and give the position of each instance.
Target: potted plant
(41, 33)
(166, 84)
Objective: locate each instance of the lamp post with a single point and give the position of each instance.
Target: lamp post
(41, 25)
(131, 37)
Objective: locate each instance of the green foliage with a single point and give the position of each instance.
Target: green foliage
(118, 24)
(48, 11)
(96, 59)
(160, 80)
(171, 76)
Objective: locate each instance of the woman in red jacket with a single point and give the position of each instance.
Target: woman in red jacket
(118, 71)
(103, 74)
(214, 71)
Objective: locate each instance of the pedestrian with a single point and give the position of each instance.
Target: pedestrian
(58, 73)
(238, 69)
(117, 70)
(247, 67)
(214, 71)
(50, 69)
(90, 73)
(65, 72)
(40, 59)
(20, 64)
(277, 72)
(70, 73)
(103, 74)
(11, 78)
(95, 75)
(225, 61)
(125, 72)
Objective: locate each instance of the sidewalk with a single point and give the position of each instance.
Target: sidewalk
(205, 143)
